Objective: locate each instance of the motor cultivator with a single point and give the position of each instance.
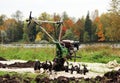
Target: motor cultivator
(65, 49)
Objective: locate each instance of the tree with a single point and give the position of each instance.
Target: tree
(25, 33)
(47, 26)
(69, 35)
(115, 7)
(115, 17)
(2, 19)
(32, 32)
(56, 17)
(65, 16)
(56, 29)
(114, 28)
(25, 38)
(3, 35)
(17, 16)
(19, 24)
(44, 16)
(94, 15)
(79, 29)
(68, 23)
(19, 30)
(68, 29)
(99, 29)
(10, 25)
(105, 20)
(111, 22)
(88, 26)
(38, 37)
(86, 37)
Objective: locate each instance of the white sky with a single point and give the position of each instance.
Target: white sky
(74, 8)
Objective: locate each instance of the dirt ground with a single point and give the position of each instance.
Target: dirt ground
(22, 66)
(102, 73)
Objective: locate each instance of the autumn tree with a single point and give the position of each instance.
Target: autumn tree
(67, 24)
(38, 37)
(47, 26)
(115, 7)
(113, 28)
(44, 16)
(79, 29)
(111, 21)
(99, 29)
(68, 29)
(56, 17)
(115, 17)
(10, 25)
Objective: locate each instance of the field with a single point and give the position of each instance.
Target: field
(95, 57)
(101, 54)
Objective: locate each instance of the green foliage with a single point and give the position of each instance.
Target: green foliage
(44, 16)
(88, 26)
(32, 31)
(19, 31)
(25, 37)
(69, 35)
(86, 37)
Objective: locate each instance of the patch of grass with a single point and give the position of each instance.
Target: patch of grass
(102, 54)
(23, 76)
(27, 53)
(10, 73)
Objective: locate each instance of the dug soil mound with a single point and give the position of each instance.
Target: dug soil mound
(3, 65)
(29, 64)
(2, 59)
(109, 77)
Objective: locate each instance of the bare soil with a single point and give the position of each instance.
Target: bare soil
(98, 71)
(2, 59)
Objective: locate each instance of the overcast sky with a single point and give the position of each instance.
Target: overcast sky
(74, 8)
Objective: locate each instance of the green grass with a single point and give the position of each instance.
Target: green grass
(23, 76)
(101, 54)
(32, 75)
(27, 53)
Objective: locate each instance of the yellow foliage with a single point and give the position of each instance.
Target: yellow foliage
(38, 36)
